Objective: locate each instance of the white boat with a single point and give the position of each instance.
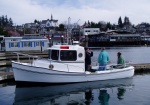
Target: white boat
(65, 65)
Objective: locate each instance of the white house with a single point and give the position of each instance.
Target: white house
(49, 22)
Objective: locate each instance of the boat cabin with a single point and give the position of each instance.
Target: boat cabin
(73, 53)
(68, 54)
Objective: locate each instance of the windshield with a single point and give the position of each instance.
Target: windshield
(54, 54)
(66, 55)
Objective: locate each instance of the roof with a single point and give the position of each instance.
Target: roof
(33, 37)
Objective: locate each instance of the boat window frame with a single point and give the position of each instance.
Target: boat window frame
(57, 55)
(73, 55)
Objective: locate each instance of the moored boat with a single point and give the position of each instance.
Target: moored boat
(65, 64)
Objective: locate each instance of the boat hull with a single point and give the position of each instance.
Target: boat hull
(26, 73)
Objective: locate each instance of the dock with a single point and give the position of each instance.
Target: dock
(6, 76)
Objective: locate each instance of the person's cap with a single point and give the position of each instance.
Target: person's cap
(119, 53)
(103, 48)
(86, 48)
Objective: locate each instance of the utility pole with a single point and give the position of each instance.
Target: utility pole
(79, 30)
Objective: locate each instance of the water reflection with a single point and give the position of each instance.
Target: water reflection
(88, 96)
(103, 97)
(70, 94)
(121, 92)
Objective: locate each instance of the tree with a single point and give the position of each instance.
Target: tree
(89, 25)
(109, 26)
(2, 32)
(10, 22)
(5, 21)
(120, 24)
(126, 21)
(61, 27)
(2, 23)
(92, 25)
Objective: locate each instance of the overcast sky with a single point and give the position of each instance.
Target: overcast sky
(26, 11)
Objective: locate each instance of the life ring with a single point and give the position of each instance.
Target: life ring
(80, 55)
(51, 66)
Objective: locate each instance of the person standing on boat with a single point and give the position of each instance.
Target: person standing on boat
(103, 59)
(120, 60)
(88, 55)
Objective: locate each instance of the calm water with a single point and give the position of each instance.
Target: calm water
(133, 55)
(131, 91)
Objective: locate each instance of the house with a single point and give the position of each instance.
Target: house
(49, 22)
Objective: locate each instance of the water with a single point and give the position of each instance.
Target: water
(134, 55)
(131, 91)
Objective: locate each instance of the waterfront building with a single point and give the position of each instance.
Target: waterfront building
(76, 33)
(90, 31)
(102, 39)
(25, 44)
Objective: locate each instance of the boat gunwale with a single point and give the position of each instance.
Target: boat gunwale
(73, 73)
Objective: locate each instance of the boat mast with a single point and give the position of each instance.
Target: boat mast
(68, 30)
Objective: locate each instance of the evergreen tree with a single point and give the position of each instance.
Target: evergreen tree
(89, 25)
(0, 21)
(92, 25)
(61, 27)
(109, 26)
(120, 24)
(85, 24)
(5, 21)
(10, 22)
(126, 21)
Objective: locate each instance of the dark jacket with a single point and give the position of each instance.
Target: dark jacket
(88, 56)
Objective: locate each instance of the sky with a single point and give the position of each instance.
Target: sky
(79, 11)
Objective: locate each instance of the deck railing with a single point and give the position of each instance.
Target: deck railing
(31, 59)
(26, 55)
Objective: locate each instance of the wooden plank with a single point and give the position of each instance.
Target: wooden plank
(4, 76)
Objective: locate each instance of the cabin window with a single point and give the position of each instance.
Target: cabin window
(54, 54)
(68, 55)
(37, 43)
(26, 44)
(14, 44)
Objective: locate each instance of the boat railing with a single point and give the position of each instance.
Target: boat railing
(30, 57)
(68, 66)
